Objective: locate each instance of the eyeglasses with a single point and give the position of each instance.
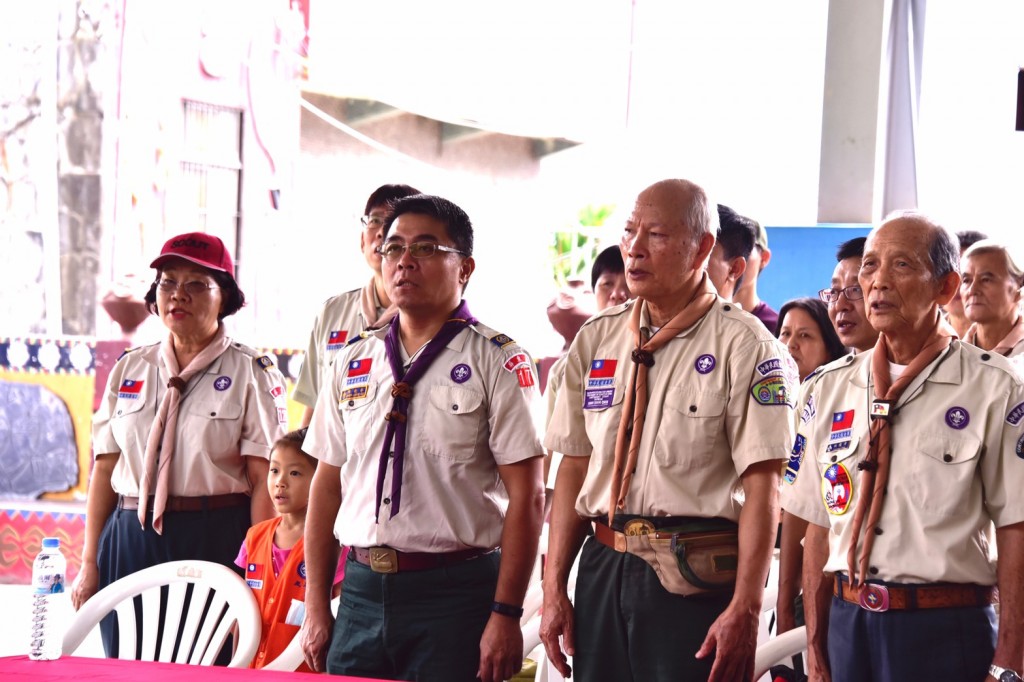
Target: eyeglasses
(193, 288)
(392, 251)
(374, 221)
(852, 293)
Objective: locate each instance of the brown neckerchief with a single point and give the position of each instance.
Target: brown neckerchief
(368, 305)
(1009, 342)
(634, 407)
(874, 469)
(163, 434)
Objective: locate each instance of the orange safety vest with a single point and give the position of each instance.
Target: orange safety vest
(274, 593)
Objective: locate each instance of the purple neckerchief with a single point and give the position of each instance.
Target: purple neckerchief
(402, 393)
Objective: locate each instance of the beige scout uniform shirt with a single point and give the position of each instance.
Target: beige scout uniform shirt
(556, 375)
(470, 412)
(956, 465)
(236, 408)
(721, 398)
(339, 321)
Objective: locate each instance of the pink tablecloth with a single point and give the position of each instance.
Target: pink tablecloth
(19, 668)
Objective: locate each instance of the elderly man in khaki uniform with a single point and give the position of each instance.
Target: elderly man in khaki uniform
(674, 414)
(343, 317)
(430, 471)
(907, 456)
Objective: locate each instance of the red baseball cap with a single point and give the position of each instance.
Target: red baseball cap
(199, 248)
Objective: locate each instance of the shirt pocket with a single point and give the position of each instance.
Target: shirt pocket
(358, 405)
(602, 411)
(942, 478)
(218, 425)
(692, 428)
(131, 423)
(837, 473)
(453, 424)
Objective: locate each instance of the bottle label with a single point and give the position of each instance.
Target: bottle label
(51, 583)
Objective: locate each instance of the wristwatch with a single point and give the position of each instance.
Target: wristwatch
(1003, 674)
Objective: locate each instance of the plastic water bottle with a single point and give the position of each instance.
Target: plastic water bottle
(48, 573)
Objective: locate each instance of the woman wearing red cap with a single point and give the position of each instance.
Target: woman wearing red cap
(182, 437)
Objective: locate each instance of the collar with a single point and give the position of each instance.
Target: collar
(645, 318)
(456, 344)
(945, 369)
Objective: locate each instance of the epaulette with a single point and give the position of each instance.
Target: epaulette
(125, 352)
(840, 363)
(501, 340)
(611, 311)
(262, 359)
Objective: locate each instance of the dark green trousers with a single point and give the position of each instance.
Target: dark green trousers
(629, 627)
(418, 625)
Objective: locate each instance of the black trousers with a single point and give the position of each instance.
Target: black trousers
(629, 627)
(126, 548)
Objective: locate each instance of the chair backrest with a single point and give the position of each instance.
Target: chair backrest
(779, 649)
(203, 603)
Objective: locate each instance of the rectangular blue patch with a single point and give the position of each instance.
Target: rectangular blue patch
(796, 458)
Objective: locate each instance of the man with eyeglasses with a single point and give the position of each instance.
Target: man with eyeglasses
(846, 300)
(343, 317)
(430, 470)
(909, 456)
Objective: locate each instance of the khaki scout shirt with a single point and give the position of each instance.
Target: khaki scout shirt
(469, 413)
(236, 408)
(556, 375)
(338, 322)
(721, 396)
(956, 465)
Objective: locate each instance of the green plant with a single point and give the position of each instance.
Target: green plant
(574, 248)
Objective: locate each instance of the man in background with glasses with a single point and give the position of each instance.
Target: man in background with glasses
(344, 316)
(845, 299)
(430, 470)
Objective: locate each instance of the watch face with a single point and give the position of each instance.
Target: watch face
(1009, 676)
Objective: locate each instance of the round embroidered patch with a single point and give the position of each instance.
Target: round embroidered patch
(302, 570)
(705, 364)
(222, 383)
(461, 373)
(1020, 447)
(837, 488)
(957, 417)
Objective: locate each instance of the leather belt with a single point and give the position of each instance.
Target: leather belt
(190, 504)
(389, 560)
(616, 540)
(879, 598)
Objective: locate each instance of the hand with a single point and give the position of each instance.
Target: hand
(86, 584)
(315, 637)
(501, 649)
(733, 638)
(557, 620)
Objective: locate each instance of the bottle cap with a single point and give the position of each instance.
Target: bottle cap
(51, 543)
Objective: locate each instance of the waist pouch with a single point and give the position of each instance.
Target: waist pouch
(690, 561)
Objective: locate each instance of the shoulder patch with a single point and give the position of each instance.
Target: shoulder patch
(773, 390)
(264, 361)
(501, 340)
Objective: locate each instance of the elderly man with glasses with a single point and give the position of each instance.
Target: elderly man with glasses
(344, 316)
(430, 470)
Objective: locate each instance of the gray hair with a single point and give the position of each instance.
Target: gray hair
(992, 246)
(943, 249)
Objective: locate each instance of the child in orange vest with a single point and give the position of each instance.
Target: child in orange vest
(272, 553)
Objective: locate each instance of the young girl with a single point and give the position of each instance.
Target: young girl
(272, 554)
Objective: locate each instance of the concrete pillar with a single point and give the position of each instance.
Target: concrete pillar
(849, 121)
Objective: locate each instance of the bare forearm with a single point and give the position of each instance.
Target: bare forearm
(99, 504)
(521, 532)
(817, 590)
(261, 507)
(567, 530)
(320, 545)
(791, 557)
(758, 522)
(1010, 643)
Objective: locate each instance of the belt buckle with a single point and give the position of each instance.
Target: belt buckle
(874, 598)
(632, 528)
(383, 560)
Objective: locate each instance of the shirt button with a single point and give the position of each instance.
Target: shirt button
(727, 308)
(947, 457)
(873, 570)
(985, 356)
(213, 414)
(351, 403)
(693, 408)
(834, 458)
(455, 408)
(387, 500)
(119, 411)
(878, 531)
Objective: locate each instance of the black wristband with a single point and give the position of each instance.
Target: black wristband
(507, 609)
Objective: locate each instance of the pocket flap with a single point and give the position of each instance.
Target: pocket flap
(692, 403)
(455, 399)
(215, 410)
(949, 450)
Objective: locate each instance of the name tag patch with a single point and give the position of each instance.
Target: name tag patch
(598, 398)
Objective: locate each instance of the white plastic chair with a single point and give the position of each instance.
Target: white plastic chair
(779, 649)
(291, 658)
(229, 608)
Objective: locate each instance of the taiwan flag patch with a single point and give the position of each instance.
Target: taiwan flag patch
(602, 369)
(842, 423)
(358, 368)
(130, 389)
(254, 575)
(336, 340)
